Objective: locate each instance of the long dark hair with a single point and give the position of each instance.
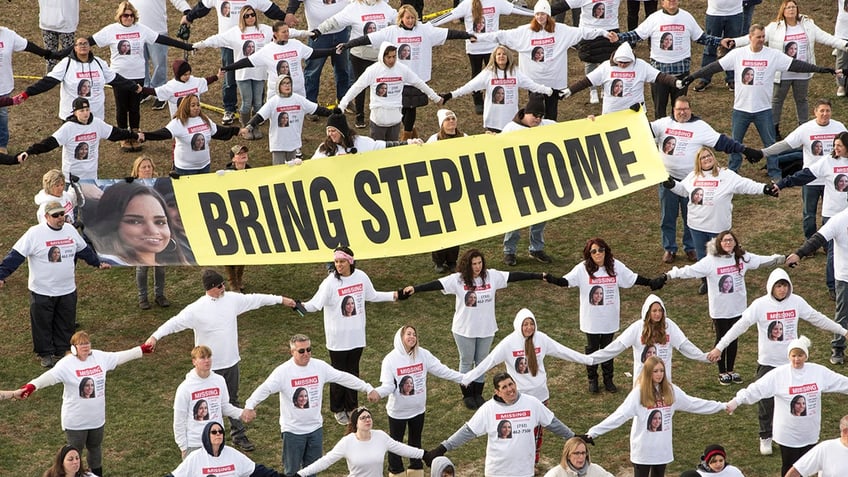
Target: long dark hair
(348, 251)
(464, 267)
(58, 467)
(591, 266)
(738, 251)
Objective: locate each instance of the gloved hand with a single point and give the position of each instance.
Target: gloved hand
(829, 70)
(566, 93)
(299, 308)
(688, 80)
(753, 155)
(432, 454)
(636, 107)
(659, 282)
(315, 33)
(669, 183)
(679, 84)
(586, 438)
(446, 97)
(146, 348)
(771, 189)
(19, 98)
(184, 32)
(402, 295)
(28, 388)
(338, 110)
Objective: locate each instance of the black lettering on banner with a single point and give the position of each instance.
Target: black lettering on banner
(319, 186)
(294, 213)
(246, 214)
(524, 180)
(622, 159)
(445, 168)
(391, 176)
(271, 219)
(376, 230)
(545, 151)
(481, 187)
(420, 199)
(213, 208)
(589, 166)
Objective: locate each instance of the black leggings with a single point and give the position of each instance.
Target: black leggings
(359, 65)
(342, 398)
(128, 107)
(790, 455)
(633, 12)
(662, 93)
(728, 356)
(594, 342)
(397, 427)
(641, 470)
(477, 64)
(408, 118)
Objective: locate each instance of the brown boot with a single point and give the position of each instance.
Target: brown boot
(239, 275)
(136, 146)
(232, 277)
(126, 145)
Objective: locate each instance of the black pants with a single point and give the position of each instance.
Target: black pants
(765, 408)
(358, 65)
(342, 398)
(477, 64)
(231, 377)
(663, 94)
(446, 256)
(790, 455)
(640, 470)
(594, 342)
(52, 319)
(551, 103)
(728, 356)
(633, 12)
(128, 107)
(397, 427)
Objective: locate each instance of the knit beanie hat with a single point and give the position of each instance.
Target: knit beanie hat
(536, 105)
(339, 121)
(802, 343)
(711, 451)
(211, 279)
(180, 68)
(443, 114)
(542, 6)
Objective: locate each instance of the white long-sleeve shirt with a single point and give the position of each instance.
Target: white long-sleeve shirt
(785, 384)
(345, 332)
(215, 323)
(491, 16)
(193, 393)
(153, 13)
(493, 81)
(398, 367)
(655, 447)
(364, 458)
(289, 380)
(714, 213)
(836, 229)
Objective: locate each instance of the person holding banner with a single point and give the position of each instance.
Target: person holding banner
(598, 278)
(474, 323)
(345, 335)
(144, 168)
(342, 140)
(796, 432)
(444, 260)
(193, 131)
(501, 72)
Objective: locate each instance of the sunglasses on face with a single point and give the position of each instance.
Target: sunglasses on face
(304, 350)
(598, 250)
(249, 15)
(537, 115)
(128, 15)
(57, 215)
(216, 432)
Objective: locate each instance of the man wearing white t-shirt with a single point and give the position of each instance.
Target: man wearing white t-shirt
(50, 249)
(754, 67)
(828, 458)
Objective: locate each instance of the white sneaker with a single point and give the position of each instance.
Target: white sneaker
(765, 446)
(343, 419)
(840, 91)
(593, 96)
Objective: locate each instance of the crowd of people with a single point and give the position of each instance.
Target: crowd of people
(389, 54)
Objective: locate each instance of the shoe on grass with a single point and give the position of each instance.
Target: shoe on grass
(243, 443)
(725, 379)
(541, 256)
(737, 379)
(342, 418)
(765, 446)
(509, 259)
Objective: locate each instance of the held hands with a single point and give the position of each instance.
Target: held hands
(104, 266)
(771, 189)
(446, 97)
(566, 93)
(612, 37)
(291, 20)
(373, 396)
(147, 348)
(19, 98)
(26, 390)
(586, 438)
(248, 415)
(22, 157)
(728, 43)
(679, 84)
(752, 155)
(432, 454)
(221, 74)
(416, 140)
(140, 136)
(409, 291)
(714, 355)
(669, 183)
(659, 282)
(340, 48)
(687, 81)
(731, 406)
(243, 132)
(792, 260)
(151, 342)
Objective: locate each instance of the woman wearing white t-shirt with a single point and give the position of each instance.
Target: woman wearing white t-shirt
(480, 16)
(500, 82)
(651, 405)
(193, 131)
(126, 38)
(797, 389)
(723, 271)
(598, 278)
(83, 374)
(474, 324)
(363, 448)
(710, 189)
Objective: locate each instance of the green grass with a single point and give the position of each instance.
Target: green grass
(139, 440)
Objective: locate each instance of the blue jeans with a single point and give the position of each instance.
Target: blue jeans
(763, 121)
(841, 317)
(537, 240)
(747, 16)
(191, 172)
(4, 124)
(828, 274)
(670, 205)
(341, 65)
(155, 55)
(722, 27)
(252, 95)
(701, 239)
(228, 89)
(472, 351)
(300, 450)
(811, 195)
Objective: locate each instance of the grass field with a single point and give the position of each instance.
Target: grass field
(139, 439)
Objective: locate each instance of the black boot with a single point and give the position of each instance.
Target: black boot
(98, 471)
(702, 290)
(777, 135)
(468, 396)
(609, 385)
(478, 394)
(593, 386)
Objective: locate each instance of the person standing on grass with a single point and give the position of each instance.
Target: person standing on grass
(724, 268)
(300, 383)
(779, 306)
(689, 133)
(51, 250)
(214, 320)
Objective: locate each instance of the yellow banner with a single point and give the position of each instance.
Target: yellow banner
(415, 199)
